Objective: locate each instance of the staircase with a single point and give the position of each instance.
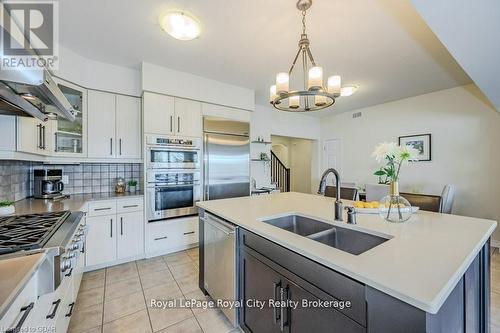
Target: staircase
(280, 174)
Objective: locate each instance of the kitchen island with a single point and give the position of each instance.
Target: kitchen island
(424, 274)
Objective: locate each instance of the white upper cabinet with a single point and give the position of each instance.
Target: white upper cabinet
(188, 120)
(128, 127)
(158, 114)
(34, 136)
(8, 130)
(70, 137)
(167, 115)
(101, 124)
(114, 126)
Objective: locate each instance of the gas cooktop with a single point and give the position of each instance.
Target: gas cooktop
(28, 232)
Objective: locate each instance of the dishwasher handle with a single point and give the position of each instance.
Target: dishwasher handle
(221, 225)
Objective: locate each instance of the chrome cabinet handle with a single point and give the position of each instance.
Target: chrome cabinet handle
(189, 233)
(111, 227)
(276, 315)
(26, 309)
(121, 226)
(99, 209)
(111, 146)
(44, 138)
(52, 314)
(130, 206)
(39, 135)
(120, 145)
(160, 238)
(56, 148)
(283, 309)
(178, 124)
(171, 121)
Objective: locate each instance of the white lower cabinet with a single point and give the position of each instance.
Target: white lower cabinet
(117, 235)
(171, 235)
(101, 240)
(129, 236)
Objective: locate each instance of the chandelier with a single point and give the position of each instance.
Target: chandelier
(314, 95)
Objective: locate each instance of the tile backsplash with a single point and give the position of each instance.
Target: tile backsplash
(95, 177)
(16, 177)
(14, 180)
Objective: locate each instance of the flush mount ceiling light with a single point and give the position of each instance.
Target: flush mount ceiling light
(314, 95)
(180, 25)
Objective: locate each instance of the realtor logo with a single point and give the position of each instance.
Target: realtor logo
(29, 34)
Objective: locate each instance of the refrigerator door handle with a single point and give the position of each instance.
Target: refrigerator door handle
(206, 182)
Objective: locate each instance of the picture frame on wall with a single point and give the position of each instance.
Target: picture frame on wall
(421, 142)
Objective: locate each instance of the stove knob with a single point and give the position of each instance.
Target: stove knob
(71, 254)
(66, 264)
(75, 245)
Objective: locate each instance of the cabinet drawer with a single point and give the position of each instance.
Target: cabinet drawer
(333, 283)
(104, 207)
(18, 308)
(161, 236)
(129, 205)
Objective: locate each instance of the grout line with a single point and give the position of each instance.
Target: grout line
(103, 299)
(144, 296)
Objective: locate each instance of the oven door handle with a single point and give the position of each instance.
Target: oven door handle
(173, 186)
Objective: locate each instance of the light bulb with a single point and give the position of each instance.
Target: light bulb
(334, 85)
(282, 82)
(315, 81)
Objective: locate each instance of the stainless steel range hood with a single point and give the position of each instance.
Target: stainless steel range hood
(29, 91)
(32, 93)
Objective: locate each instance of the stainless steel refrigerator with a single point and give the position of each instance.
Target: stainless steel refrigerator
(226, 172)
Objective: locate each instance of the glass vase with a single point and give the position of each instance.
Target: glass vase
(393, 207)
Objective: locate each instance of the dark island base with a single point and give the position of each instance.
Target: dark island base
(268, 271)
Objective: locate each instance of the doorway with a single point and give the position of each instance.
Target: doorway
(294, 155)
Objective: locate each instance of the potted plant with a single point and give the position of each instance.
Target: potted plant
(132, 185)
(7, 207)
(393, 207)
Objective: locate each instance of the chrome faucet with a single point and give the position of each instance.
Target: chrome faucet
(322, 188)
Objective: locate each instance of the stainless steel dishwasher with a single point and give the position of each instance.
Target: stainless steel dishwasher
(220, 268)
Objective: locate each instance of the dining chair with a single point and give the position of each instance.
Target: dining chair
(431, 203)
(447, 198)
(347, 193)
(375, 192)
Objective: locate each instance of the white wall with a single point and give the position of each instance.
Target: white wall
(98, 75)
(267, 121)
(465, 136)
(469, 30)
(174, 83)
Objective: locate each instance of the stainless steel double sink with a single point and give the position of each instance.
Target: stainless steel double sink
(344, 239)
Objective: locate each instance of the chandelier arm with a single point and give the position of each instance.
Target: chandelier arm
(311, 56)
(304, 67)
(294, 62)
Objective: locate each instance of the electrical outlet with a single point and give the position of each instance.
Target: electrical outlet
(65, 179)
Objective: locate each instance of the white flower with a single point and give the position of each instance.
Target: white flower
(407, 153)
(382, 150)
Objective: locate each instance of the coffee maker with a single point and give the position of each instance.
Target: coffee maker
(48, 183)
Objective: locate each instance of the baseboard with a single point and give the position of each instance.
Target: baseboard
(495, 243)
(114, 263)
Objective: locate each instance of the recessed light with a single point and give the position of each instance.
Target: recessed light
(348, 90)
(180, 25)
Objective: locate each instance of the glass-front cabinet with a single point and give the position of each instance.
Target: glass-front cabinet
(71, 137)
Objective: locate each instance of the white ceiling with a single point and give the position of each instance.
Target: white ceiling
(382, 45)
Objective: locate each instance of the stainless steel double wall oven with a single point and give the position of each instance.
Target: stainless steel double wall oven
(173, 176)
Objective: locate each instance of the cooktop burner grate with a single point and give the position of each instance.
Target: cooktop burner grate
(27, 232)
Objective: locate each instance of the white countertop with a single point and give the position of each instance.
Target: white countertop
(420, 265)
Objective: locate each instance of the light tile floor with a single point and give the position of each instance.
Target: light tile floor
(117, 299)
